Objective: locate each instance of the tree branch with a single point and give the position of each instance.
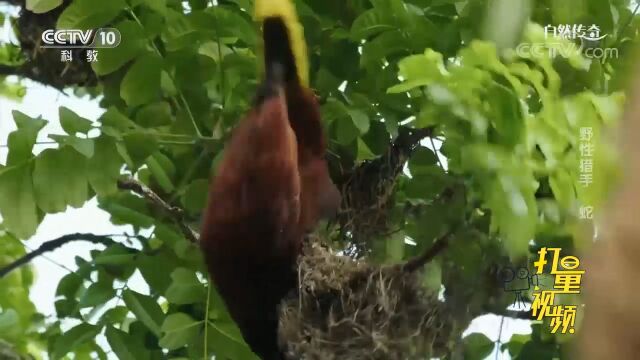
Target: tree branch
(176, 213)
(514, 314)
(52, 245)
(389, 165)
(419, 261)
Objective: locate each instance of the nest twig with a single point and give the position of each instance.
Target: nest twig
(350, 309)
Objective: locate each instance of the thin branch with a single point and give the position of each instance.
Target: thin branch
(435, 151)
(419, 261)
(515, 314)
(53, 245)
(6, 70)
(368, 182)
(396, 155)
(176, 213)
(499, 341)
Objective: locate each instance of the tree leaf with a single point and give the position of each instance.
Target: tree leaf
(42, 6)
(185, 287)
(477, 347)
(83, 146)
(97, 294)
(127, 209)
(360, 120)
(73, 338)
(132, 44)
(21, 141)
(104, 167)
(17, 201)
(69, 285)
(87, 14)
(73, 123)
(146, 309)
(160, 6)
(118, 340)
(142, 82)
(63, 170)
(154, 115)
(178, 329)
(194, 199)
(140, 146)
(9, 323)
(160, 175)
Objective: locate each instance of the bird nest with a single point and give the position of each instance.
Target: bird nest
(351, 309)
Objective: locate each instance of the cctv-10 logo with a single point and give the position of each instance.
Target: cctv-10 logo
(72, 38)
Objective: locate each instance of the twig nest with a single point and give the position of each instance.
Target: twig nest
(350, 309)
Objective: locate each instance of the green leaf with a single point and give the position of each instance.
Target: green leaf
(72, 339)
(226, 339)
(194, 199)
(153, 269)
(214, 50)
(17, 201)
(115, 315)
(508, 116)
(114, 119)
(369, 23)
(395, 247)
(73, 123)
(346, 131)
(364, 153)
(231, 23)
(88, 14)
(12, 91)
(477, 347)
(562, 185)
(160, 6)
(160, 175)
(63, 170)
(133, 43)
(120, 344)
(516, 343)
(67, 308)
(432, 278)
(154, 115)
(360, 120)
(117, 255)
(9, 323)
(140, 146)
(420, 70)
(536, 350)
(127, 209)
(97, 294)
(427, 183)
(42, 6)
(69, 285)
(142, 82)
(185, 287)
(422, 161)
(178, 31)
(146, 309)
(83, 146)
(21, 141)
(104, 167)
(178, 329)
(514, 212)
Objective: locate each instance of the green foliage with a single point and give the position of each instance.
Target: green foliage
(181, 80)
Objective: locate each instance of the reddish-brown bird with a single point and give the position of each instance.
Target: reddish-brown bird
(271, 188)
